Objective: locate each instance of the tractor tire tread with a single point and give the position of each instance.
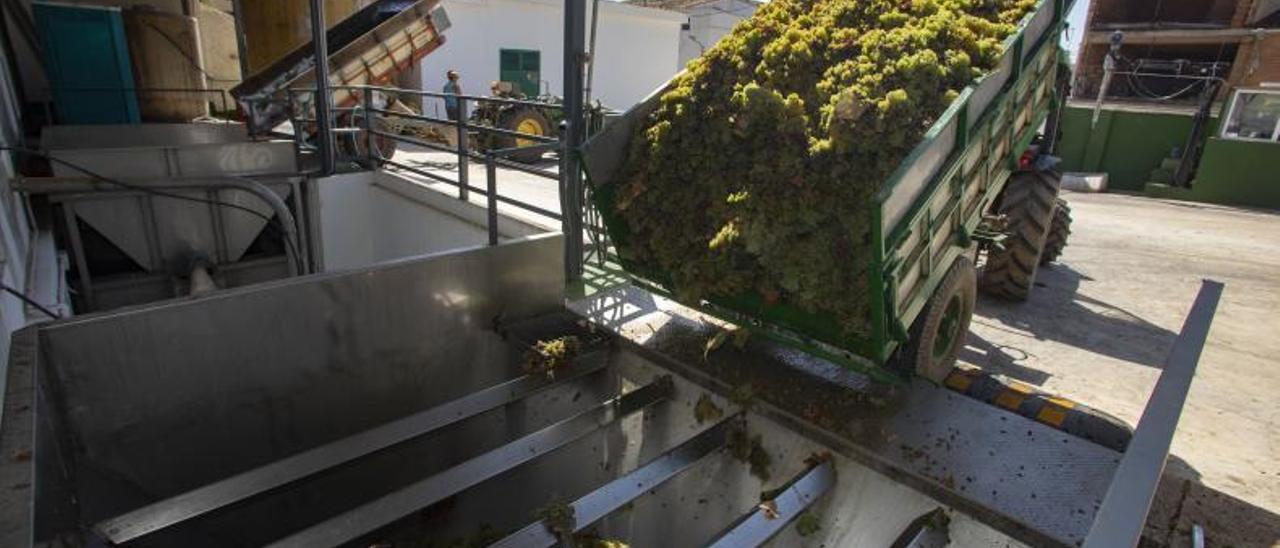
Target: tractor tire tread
(1029, 203)
(1059, 233)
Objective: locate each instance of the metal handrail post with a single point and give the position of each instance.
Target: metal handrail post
(463, 150)
(570, 164)
(491, 186)
(368, 130)
(324, 121)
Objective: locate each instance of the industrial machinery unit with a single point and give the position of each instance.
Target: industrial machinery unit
(414, 402)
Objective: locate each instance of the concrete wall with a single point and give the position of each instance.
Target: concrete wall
(366, 218)
(638, 48)
(1236, 173)
(1126, 144)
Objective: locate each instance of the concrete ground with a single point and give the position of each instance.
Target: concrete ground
(532, 189)
(1100, 323)
(1097, 330)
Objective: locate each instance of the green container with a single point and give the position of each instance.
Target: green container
(923, 217)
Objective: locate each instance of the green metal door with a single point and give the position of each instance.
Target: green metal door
(521, 67)
(87, 60)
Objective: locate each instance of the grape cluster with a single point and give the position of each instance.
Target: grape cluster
(755, 172)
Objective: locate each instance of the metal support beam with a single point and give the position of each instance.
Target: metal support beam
(324, 120)
(1123, 513)
(385, 510)
(771, 517)
(464, 153)
(491, 198)
(197, 502)
(597, 504)
(931, 530)
(571, 190)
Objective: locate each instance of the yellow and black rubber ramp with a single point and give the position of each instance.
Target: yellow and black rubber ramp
(1018, 397)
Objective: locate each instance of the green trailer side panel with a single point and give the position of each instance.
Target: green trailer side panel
(87, 59)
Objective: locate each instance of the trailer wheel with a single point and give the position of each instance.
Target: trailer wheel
(1027, 205)
(1059, 231)
(354, 143)
(938, 334)
(525, 120)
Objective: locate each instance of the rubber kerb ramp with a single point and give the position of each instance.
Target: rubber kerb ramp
(1063, 414)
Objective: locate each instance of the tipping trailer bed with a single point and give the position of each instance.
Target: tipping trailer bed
(369, 48)
(388, 406)
(923, 218)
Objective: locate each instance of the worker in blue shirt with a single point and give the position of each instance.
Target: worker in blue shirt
(451, 88)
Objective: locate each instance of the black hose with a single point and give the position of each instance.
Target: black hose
(30, 301)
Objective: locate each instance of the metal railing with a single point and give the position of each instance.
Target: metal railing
(360, 138)
(358, 135)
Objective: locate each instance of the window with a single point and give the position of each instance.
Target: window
(523, 68)
(1254, 116)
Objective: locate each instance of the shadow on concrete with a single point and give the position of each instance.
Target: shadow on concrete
(1057, 312)
(1182, 502)
(999, 359)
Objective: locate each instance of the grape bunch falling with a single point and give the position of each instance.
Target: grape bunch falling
(755, 172)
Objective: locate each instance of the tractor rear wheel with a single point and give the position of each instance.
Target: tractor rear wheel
(525, 120)
(1059, 231)
(939, 332)
(1027, 206)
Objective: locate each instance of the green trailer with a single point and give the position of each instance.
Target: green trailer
(980, 183)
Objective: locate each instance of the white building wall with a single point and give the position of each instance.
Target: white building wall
(638, 48)
(709, 22)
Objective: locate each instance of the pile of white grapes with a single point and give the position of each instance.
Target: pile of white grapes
(754, 174)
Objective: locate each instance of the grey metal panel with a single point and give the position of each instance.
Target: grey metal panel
(1124, 510)
(263, 157)
(234, 489)
(205, 160)
(919, 174)
(988, 88)
(240, 227)
(763, 523)
(604, 153)
(197, 377)
(60, 137)
(379, 513)
(1037, 26)
(618, 493)
(182, 228)
(120, 220)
